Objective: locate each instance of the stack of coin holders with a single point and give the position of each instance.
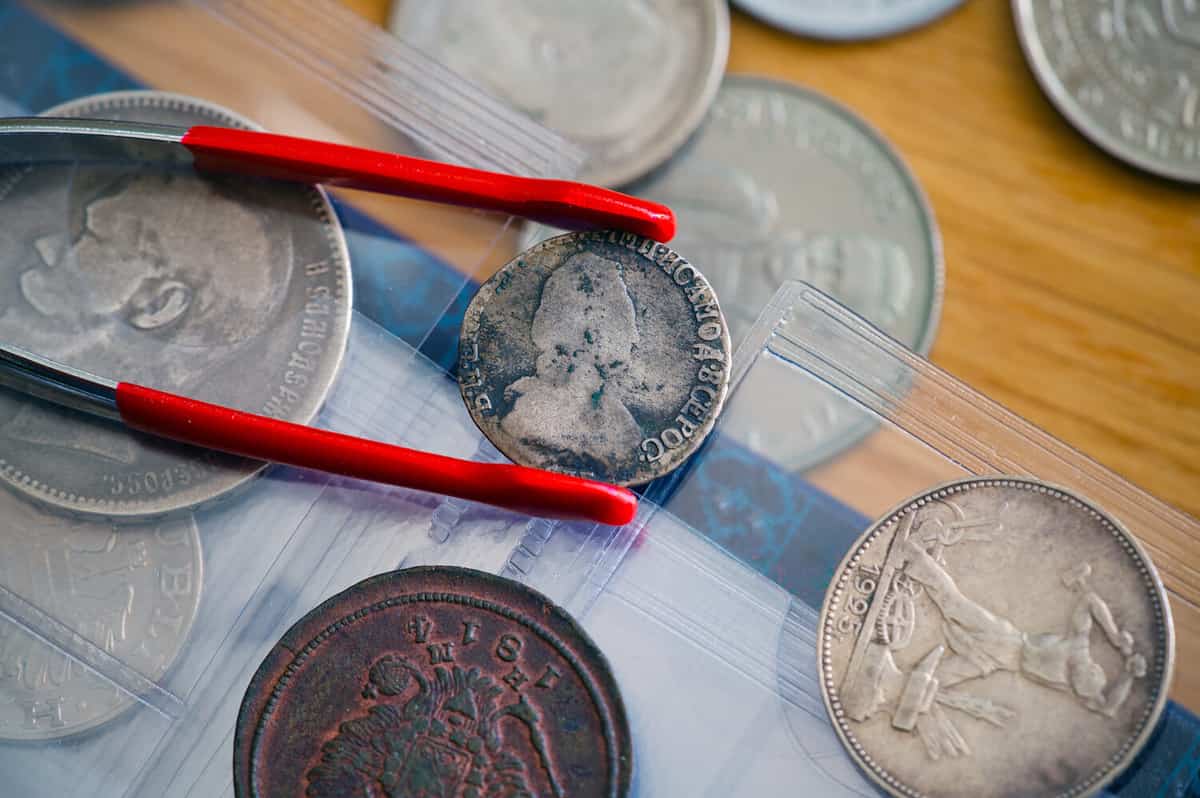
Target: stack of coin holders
(706, 606)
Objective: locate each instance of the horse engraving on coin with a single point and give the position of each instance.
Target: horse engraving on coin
(230, 290)
(603, 355)
(986, 607)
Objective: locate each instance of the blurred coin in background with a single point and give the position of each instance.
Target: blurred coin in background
(782, 183)
(628, 81)
(1126, 73)
(846, 19)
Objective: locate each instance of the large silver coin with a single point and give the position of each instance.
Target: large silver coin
(628, 80)
(131, 591)
(602, 355)
(995, 637)
(1126, 73)
(229, 290)
(782, 183)
(847, 19)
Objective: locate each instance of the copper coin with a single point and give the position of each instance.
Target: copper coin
(433, 681)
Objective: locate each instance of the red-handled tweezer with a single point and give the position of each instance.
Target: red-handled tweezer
(571, 206)
(513, 487)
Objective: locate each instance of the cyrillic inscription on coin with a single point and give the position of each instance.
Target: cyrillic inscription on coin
(603, 355)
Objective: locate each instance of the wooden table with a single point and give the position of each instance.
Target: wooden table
(1073, 281)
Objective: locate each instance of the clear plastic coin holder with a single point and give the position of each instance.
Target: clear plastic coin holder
(706, 606)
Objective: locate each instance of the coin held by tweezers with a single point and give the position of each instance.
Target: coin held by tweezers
(434, 681)
(226, 289)
(995, 637)
(602, 355)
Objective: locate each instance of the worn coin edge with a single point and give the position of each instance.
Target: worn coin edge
(487, 292)
(1129, 751)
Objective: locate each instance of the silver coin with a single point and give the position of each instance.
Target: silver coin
(847, 19)
(229, 290)
(995, 637)
(131, 591)
(1126, 73)
(781, 183)
(627, 80)
(602, 355)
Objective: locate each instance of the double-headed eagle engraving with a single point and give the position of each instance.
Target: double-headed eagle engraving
(445, 741)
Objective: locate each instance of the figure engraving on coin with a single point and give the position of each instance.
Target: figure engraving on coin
(228, 290)
(603, 355)
(1126, 73)
(434, 681)
(995, 604)
(131, 591)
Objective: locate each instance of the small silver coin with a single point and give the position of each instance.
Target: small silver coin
(224, 289)
(1126, 73)
(847, 19)
(602, 355)
(132, 591)
(627, 80)
(781, 183)
(995, 637)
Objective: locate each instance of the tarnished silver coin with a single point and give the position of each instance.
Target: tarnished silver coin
(229, 290)
(847, 19)
(627, 80)
(781, 183)
(1126, 73)
(130, 591)
(995, 637)
(602, 355)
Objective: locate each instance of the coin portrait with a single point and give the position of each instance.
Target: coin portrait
(434, 681)
(995, 637)
(229, 290)
(596, 354)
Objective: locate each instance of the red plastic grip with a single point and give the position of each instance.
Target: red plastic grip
(572, 206)
(513, 487)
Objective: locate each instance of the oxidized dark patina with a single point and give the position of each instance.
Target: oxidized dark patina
(602, 355)
(435, 682)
